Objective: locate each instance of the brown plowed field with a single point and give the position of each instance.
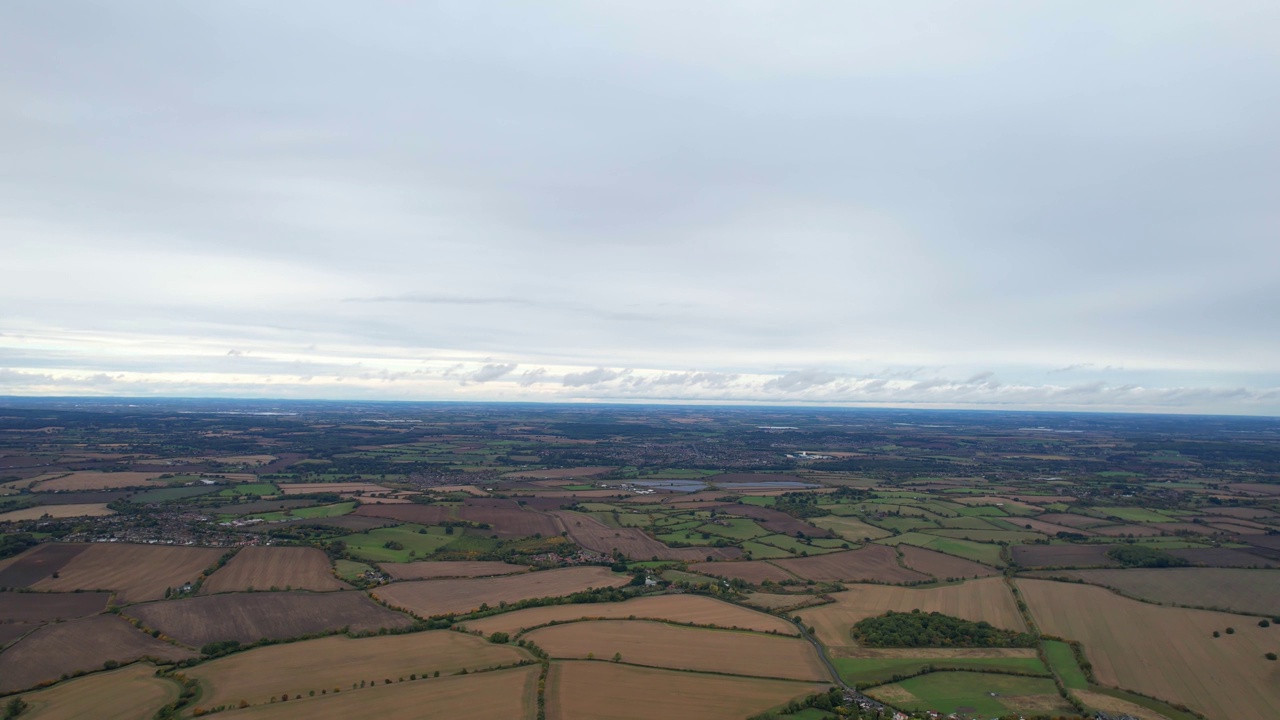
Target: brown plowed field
(45, 607)
(578, 690)
(775, 520)
(130, 693)
(693, 609)
(1169, 653)
(595, 535)
(875, 563)
(92, 480)
(501, 695)
(1233, 589)
(286, 568)
(9, 632)
(658, 644)
(69, 647)
(504, 522)
(1047, 528)
(1062, 556)
(941, 565)
(432, 569)
(297, 668)
(135, 572)
(38, 563)
(988, 599)
(1224, 557)
(57, 511)
(249, 617)
(428, 598)
(752, 571)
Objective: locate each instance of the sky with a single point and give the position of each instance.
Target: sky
(1004, 205)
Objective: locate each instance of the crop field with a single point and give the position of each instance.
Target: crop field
(509, 694)
(135, 572)
(249, 617)
(850, 528)
(752, 571)
(57, 511)
(578, 690)
(285, 568)
(1061, 555)
(312, 512)
(1063, 660)
(656, 644)
(257, 675)
(46, 607)
(870, 563)
(428, 598)
(692, 609)
(1225, 557)
(69, 647)
(595, 535)
(91, 480)
(974, 693)
(414, 540)
(1049, 528)
(1133, 514)
(942, 566)
(988, 599)
(557, 473)
(1169, 653)
(354, 488)
(775, 521)
(986, 553)
(503, 521)
(874, 665)
(1231, 589)
(40, 562)
(432, 569)
(129, 693)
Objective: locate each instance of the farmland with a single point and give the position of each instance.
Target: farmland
(657, 644)
(987, 599)
(285, 568)
(1236, 590)
(591, 533)
(428, 598)
(875, 563)
(1166, 652)
(57, 511)
(873, 666)
(46, 607)
(398, 544)
(500, 695)
(970, 692)
(135, 572)
(578, 690)
(257, 675)
(129, 693)
(90, 480)
(690, 609)
(75, 646)
(431, 569)
(249, 617)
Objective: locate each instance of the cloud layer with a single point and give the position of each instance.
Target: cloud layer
(991, 204)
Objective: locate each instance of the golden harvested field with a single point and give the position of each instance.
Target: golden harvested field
(693, 609)
(91, 480)
(987, 599)
(780, 601)
(656, 644)
(500, 695)
(134, 572)
(1111, 705)
(1162, 651)
(752, 571)
(261, 568)
(579, 690)
(1232, 589)
(58, 511)
(257, 675)
(941, 565)
(427, 598)
(850, 528)
(430, 569)
(876, 563)
(130, 693)
(69, 647)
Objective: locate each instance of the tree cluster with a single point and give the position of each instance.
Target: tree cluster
(918, 629)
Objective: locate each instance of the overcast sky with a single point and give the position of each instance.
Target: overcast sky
(964, 204)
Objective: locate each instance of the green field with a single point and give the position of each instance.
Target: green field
(350, 569)
(173, 493)
(792, 545)
(876, 671)
(763, 552)
(757, 500)
(735, 529)
(903, 524)
(250, 489)
(371, 545)
(967, 549)
(968, 692)
(1013, 536)
(1063, 661)
(316, 511)
(1133, 514)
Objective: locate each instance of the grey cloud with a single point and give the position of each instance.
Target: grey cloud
(799, 380)
(531, 377)
(492, 372)
(592, 377)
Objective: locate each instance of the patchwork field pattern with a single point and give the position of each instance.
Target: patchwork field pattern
(427, 598)
(1169, 653)
(431, 569)
(595, 535)
(257, 675)
(578, 690)
(260, 568)
(692, 609)
(129, 693)
(249, 617)
(135, 572)
(941, 565)
(874, 563)
(1232, 589)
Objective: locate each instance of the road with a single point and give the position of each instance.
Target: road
(863, 701)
